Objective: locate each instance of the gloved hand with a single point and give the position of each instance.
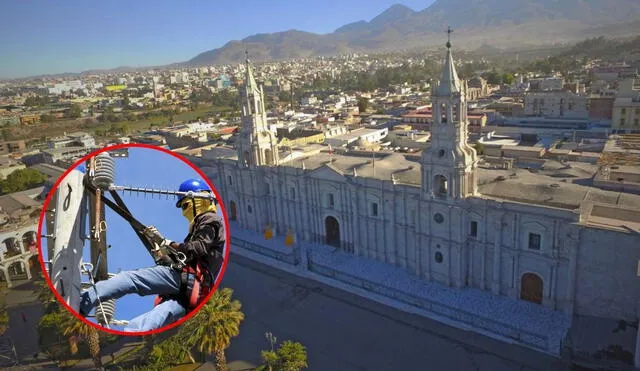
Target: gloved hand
(164, 260)
(156, 237)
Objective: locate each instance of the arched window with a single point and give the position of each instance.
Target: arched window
(455, 113)
(440, 185)
(443, 113)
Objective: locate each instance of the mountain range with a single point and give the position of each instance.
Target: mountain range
(499, 23)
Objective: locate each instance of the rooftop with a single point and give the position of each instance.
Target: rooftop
(51, 171)
(356, 133)
(560, 185)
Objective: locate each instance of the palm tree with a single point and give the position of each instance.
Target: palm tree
(214, 325)
(45, 296)
(4, 319)
(75, 328)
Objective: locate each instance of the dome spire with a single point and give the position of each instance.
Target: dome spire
(449, 81)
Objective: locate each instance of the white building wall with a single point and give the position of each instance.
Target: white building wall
(556, 104)
(606, 281)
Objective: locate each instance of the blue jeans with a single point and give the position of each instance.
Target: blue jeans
(158, 280)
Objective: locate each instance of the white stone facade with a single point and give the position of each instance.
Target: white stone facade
(16, 248)
(452, 235)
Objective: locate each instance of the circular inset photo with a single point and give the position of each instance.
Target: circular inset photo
(134, 239)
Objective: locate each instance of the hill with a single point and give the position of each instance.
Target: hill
(497, 23)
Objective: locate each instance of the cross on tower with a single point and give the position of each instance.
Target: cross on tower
(449, 32)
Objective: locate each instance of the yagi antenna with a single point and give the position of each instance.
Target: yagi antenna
(154, 191)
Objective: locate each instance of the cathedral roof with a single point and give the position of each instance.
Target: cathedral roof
(449, 81)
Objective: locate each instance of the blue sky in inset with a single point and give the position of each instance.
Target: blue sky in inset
(151, 169)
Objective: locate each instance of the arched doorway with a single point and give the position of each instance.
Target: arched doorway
(531, 287)
(332, 231)
(17, 271)
(12, 249)
(232, 211)
(29, 241)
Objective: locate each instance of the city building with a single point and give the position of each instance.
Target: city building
(556, 104)
(308, 101)
(65, 154)
(79, 138)
(29, 119)
(601, 107)
(569, 247)
(12, 147)
(506, 107)
(626, 107)
(362, 135)
(546, 84)
(614, 72)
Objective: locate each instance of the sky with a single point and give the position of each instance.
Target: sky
(50, 37)
(127, 252)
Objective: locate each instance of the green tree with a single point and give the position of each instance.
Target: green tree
(4, 319)
(290, 356)
(46, 297)
(74, 328)
(126, 101)
(493, 77)
(467, 71)
(363, 104)
(284, 96)
(36, 101)
(46, 118)
(7, 134)
(507, 78)
(21, 180)
(212, 328)
(108, 115)
(52, 339)
(74, 112)
(171, 352)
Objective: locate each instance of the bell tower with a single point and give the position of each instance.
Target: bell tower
(257, 145)
(449, 163)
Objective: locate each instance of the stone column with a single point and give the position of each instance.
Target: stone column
(5, 271)
(26, 268)
(497, 258)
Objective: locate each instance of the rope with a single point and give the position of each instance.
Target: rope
(93, 284)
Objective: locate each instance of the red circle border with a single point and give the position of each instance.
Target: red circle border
(227, 238)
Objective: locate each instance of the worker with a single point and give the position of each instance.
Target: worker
(182, 278)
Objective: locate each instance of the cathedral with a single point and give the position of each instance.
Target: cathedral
(442, 216)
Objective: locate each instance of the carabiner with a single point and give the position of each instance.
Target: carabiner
(182, 258)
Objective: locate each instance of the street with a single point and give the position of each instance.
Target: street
(24, 315)
(345, 332)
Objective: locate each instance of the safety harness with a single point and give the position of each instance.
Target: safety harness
(203, 280)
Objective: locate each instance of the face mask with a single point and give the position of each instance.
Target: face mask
(201, 206)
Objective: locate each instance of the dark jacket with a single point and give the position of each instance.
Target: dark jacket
(205, 242)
